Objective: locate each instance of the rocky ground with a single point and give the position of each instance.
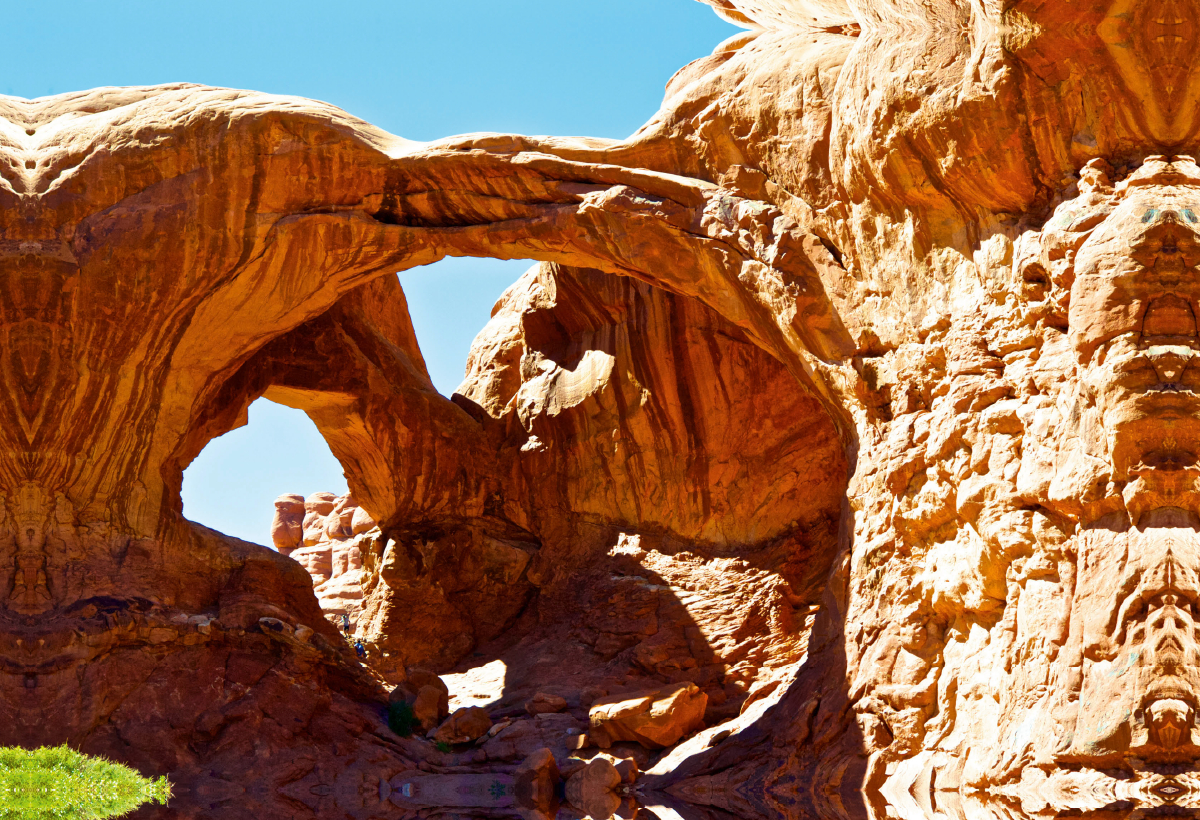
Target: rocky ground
(593, 683)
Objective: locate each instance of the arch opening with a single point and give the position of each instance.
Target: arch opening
(450, 302)
(232, 485)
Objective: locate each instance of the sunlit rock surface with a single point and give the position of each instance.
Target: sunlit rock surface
(326, 534)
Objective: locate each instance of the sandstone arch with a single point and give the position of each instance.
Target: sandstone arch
(118, 281)
(959, 233)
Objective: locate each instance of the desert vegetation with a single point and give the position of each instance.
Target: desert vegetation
(59, 783)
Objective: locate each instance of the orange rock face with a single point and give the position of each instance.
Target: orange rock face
(326, 535)
(655, 719)
(852, 403)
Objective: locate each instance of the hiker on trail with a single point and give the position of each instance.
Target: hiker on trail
(345, 623)
(360, 649)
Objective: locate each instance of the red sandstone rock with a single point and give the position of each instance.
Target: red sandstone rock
(426, 694)
(591, 789)
(287, 526)
(465, 725)
(906, 327)
(535, 783)
(428, 707)
(333, 551)
(361, 521)
(627, 767)
(655, 719)
(541, 703)
(521, 738)
(316, 508)
(430, 601)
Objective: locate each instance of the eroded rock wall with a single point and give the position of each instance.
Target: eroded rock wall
(653, 455)
(669, 521)
(655, 413)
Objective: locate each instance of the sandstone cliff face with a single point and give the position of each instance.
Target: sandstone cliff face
(701, 519)
(852, 400)
(656, 415)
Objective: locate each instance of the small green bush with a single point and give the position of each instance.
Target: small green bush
(58, 783)
(401, 719)
(443, 747)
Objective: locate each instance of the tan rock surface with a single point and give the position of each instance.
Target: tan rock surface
(465, 725)
(655, 718)
(334, 531)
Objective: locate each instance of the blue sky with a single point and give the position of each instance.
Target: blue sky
(418, 69)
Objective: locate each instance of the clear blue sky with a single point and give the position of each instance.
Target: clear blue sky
(422, 70)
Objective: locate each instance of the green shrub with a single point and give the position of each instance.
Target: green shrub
(58, 783)
(401, 719)
(443, 747)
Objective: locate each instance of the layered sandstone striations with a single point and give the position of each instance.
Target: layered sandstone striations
(668, 436)
(665, 433)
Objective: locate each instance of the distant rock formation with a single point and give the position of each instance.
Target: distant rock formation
(325, 534)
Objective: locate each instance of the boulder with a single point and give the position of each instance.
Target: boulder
(535, 783)
(592, 789)
(321, 504)
(656, 718)
(420, 678)
(426, 693)
(465, 725)
(429, 707)
(541, 704)
(627, 767)
(333, 529)
(286, 526)
(361, 521)
(522, 738)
